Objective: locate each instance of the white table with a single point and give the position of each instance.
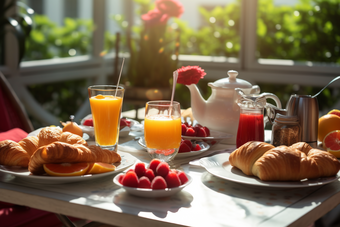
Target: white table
(207, 201)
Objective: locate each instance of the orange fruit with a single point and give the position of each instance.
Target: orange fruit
(72, 127)
(327, 123)
(331, 143)
(66, 169)
(335, 112)
(100, 167)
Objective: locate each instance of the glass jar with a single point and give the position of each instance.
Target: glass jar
(286, 130)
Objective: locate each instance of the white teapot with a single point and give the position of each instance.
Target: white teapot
(221, 111)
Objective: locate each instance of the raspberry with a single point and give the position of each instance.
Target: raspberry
(196, 147)
(149, 174)
(190, 132)
(153, 164)
(144, 182)
(182, 177)
(120, 178)
(172, 180)
(140, 169)
(130, 179)
(163, 169)
(201, 132)
(184, 148)
(188, 142)
(184, 129)
(207, 130)
(88, 122)
(158, 183)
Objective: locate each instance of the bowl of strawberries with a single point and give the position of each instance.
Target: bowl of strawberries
(154, 180)
(198, 133)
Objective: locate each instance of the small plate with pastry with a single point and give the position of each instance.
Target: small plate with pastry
(262, 164)
(55, 157)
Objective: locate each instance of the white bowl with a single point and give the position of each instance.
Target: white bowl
(150, 193)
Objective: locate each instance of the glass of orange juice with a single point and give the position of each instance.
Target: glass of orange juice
(106, 107)
(162, 129)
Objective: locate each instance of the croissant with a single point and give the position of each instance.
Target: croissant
(294, 163)
(70, 138)
(12, 154)
(29, 144)
(59, 152)
(49, 135)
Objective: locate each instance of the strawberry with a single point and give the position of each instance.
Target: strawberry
(163, 169)
(188, 142)
(196, 147)
(88, 122)
(158, 183)
(184, 148)
(197, 127)
(202, 132)
(172, 180)
(207, 130)
(140, 169)
(182, 177)
(153, 164)
(186, 124)
(184, 129)
(190, 131)
(130, 179)
(144, 182)
(120, 178)
(149, 174)
(124, 122)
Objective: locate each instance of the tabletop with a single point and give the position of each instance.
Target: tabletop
(207, 201)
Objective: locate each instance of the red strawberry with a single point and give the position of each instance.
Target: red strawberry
(196, 147)
(124, 122)
(88, 122)
(201, 132)
(188, 142)
(184, 129)
(184, 148)
(144, 182)
(207, 131)
(186, 124)
(149, 174)
(140, 169)
(158, 183)
(120, 178)
(153, 164)
(183, 177)
(190, 132)
(172, 180)
(130, 179)
(197, 127)
(163, 169)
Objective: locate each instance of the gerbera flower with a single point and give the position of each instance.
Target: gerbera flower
(190, 75)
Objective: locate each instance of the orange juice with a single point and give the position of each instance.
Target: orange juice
(162, 132)
(106, 111)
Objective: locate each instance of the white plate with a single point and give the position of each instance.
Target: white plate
(145, 192)
(219, 166)
(23, 173)
(214, 138)
(203, 145)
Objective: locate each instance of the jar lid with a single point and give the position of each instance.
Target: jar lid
(231, 82)
(286, 119)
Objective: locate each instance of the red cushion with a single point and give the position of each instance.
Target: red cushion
(15, 134)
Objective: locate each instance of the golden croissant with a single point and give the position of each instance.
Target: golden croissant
(282, 163)
(59, 152)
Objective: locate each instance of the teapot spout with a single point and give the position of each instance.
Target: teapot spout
(198, 103)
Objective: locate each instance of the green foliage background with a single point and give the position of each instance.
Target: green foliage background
(307, 31)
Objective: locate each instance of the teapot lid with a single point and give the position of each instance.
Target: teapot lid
(231, 82)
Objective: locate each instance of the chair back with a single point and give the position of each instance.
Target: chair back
(12, 111)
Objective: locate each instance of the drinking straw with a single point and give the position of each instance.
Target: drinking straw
(174, 82)
(121, 69)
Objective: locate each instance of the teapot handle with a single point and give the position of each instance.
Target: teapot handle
(273, 97)
(271, 109)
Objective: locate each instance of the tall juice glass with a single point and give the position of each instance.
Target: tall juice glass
(162, 129)
(106, 106)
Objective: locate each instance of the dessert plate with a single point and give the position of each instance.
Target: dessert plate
(219, 166)
(214, 138)
(23, 173)
(145, 192)
(204, 147)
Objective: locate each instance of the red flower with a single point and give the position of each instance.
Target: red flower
(173, 8)
(155, 17)
(190, 75)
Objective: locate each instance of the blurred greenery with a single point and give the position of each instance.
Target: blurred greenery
(307, 31)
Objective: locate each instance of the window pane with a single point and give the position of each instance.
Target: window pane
(299, 30)
(61, 28)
